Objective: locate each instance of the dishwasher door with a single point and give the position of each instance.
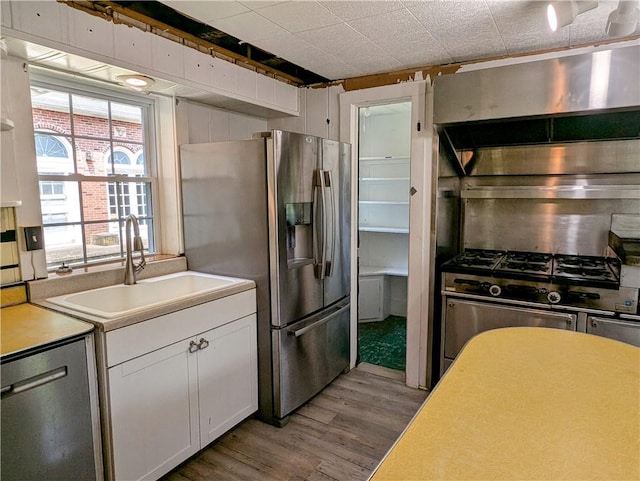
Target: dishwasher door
(464, 319)
(46, 416)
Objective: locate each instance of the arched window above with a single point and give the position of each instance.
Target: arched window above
(119, 157)
(49, 146)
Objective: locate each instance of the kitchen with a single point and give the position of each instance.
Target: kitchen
(190, 115)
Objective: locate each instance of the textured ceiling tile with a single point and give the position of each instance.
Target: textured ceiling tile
(337, 69)
(352, 10)
(378, 64)
(460, 27)
(523, 26)
(248, 26)
(389, 24)
(281, 43)
(207, 11)
(324, 63)
(298, 16)
(335, 38)
(258, 4)
(415, 50)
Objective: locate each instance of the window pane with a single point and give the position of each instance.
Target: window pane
(54, 153)
(95, 201)
(143, 199)
(123, 160)
(126, 122)
(90, 117)
(50, 110)
(119, 200)
(93, 156)
(59, 202)
(103, 241)
(63, 244)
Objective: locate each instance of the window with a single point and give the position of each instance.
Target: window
(93, 168)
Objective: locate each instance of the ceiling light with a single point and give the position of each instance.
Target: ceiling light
(623, 20)
(136, 81)
(563, 13)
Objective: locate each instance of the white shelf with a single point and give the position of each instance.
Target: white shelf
(382, 270)
(6, 124)
(390, 157)
(384, 202)
(384, 179)
(390, 230)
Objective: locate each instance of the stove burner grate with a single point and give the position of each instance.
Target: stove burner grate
(524, 266)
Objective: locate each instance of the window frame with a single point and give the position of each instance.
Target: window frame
(150, 150)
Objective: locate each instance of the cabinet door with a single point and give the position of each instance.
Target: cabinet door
(465, 319)
(370, 298)
(227, 377)
(625, 331)
(154, 412)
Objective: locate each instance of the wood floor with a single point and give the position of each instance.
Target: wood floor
(340, 435)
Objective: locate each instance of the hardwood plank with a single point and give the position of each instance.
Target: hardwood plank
(339, 435)
(313, 411)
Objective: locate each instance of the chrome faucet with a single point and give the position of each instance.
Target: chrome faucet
(131, 269)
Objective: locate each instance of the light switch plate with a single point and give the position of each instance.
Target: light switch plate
(33, 238)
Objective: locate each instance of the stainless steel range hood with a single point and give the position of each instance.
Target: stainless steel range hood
(586, 97)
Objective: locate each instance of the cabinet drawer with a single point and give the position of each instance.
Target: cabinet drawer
(138, 339)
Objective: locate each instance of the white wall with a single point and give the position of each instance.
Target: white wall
(199, 123)
(16, 100)
(316, 107)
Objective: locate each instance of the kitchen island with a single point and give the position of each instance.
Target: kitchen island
(527, 403)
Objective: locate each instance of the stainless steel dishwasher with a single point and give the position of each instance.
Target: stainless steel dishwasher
(48, 419)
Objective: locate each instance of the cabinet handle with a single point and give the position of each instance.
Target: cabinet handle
(203, 343)
(569, 322)
(594, 324)
(193, 347)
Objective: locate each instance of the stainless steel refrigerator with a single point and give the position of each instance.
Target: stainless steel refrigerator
(277, 210)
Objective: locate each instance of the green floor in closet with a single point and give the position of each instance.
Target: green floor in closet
(384, 343)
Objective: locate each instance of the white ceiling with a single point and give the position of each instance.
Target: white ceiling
(342, 39)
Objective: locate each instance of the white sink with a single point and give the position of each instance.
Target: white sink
(120, 300)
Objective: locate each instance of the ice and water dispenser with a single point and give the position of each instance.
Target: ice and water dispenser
(299, 233)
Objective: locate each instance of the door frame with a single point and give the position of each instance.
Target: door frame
(421, 217)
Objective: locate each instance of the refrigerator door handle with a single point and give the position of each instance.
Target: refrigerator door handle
(332, 212)
(320, 268)
(319, 322)
(316, 248)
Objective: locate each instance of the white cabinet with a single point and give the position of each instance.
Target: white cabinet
(154, 401)
(227, 377)
(171, 401)
(384, 194)
(372, 298)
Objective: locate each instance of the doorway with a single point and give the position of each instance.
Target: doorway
(420, 281)
(384, 154)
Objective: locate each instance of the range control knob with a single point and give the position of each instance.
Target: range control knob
(495, 290)
(553, 297)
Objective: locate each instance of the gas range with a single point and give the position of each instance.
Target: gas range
(585, 282)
